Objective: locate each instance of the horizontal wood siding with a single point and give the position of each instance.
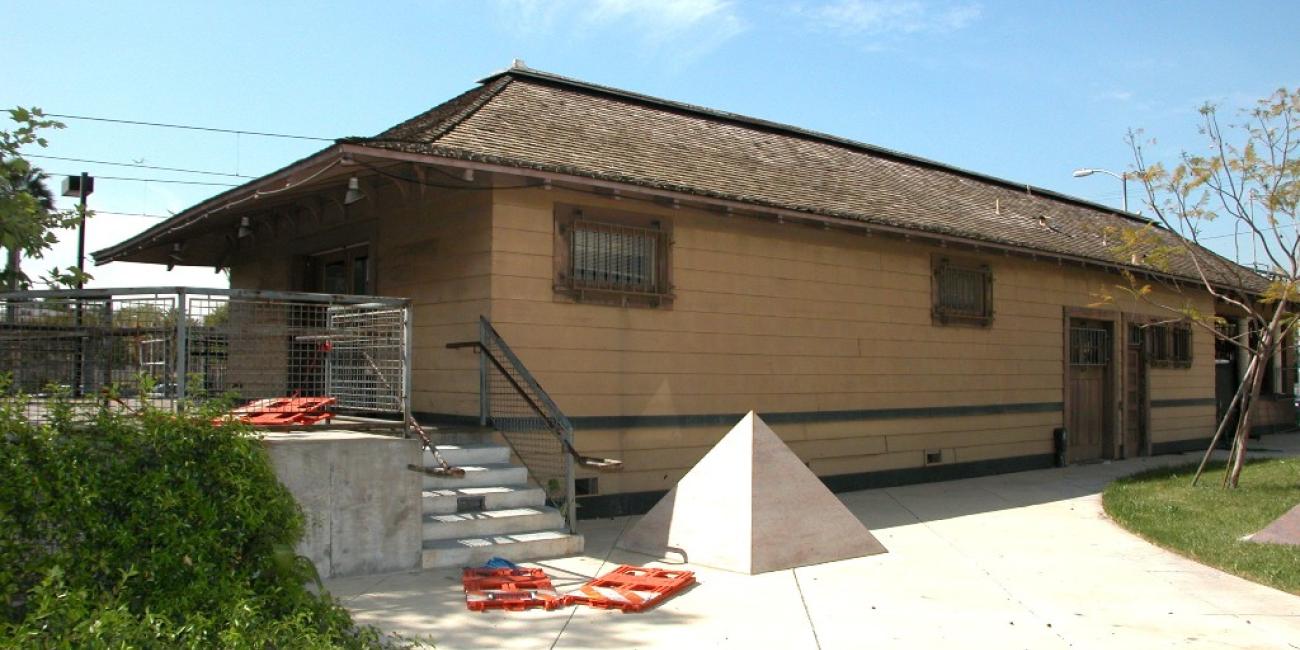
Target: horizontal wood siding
(788, 318)
(431, 246)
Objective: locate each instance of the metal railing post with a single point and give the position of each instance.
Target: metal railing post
(182, 349)
(407, 338)
(570, 480)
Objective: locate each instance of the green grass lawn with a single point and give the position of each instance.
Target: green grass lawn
(1205, 523)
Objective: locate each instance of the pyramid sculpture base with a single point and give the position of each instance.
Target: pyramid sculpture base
(1283, 530)
(751, 506)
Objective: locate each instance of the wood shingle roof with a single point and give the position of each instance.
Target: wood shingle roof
(531, 120)
(534, 120)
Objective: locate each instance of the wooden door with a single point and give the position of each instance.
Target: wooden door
(1089, 384)
(1135, 394)
(1226, 379)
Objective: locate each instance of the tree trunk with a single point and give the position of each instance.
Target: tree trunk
(1238, 399)
(1256, 379)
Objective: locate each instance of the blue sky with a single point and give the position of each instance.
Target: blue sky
(1024, 91)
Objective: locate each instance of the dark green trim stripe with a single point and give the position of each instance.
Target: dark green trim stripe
(805, 417)
(1193, 401)
(590, 422)
(637, 503)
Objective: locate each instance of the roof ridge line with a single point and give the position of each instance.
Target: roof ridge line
(460, 116)
(789, 129)
(484, 94)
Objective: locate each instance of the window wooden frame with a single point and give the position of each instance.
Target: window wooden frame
(1170, 345)
(357, 262)
(612, 232)
(946, 280)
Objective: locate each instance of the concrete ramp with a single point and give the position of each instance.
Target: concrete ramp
(751, 506)
(1283, 530)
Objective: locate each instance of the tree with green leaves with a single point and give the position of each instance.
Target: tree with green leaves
(33, 182)
(28, 220)
(1248, 175)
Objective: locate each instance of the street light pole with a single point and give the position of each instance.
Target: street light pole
(80, 187)
(1123, 179)
(82, 191)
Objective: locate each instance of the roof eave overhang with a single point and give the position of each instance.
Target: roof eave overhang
(677, 196)
(270, 184)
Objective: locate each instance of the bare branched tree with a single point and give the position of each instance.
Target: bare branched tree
(1254, 182)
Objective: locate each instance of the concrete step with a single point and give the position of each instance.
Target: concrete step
(468, 454)
(448, 500)
(461, 435)
(480, 475)
(520, 547)
(487, 523)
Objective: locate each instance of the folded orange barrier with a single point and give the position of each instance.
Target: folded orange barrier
(513, 589)
(632, 589)
(284, 411)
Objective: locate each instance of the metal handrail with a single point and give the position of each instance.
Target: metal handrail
(540, 403)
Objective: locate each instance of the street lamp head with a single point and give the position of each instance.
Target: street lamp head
(1080, 173)
(76, 186)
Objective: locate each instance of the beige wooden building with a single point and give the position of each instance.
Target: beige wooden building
(663, 269)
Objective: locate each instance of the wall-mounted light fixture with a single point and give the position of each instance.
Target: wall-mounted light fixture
(354, 192)
(245, 227)
(175, 257)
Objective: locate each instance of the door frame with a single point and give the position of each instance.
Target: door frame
(1113, 433)
(1144, 409)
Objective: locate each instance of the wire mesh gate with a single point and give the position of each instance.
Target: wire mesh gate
(171, 346)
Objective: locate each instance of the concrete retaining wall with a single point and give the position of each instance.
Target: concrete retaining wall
(362, 505)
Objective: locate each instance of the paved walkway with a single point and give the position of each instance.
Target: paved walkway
(1024, 560)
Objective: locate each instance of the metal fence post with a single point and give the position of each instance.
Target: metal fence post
(484, 389)
(182, 349)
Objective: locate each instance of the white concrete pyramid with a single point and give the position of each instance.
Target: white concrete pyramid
(751, 506)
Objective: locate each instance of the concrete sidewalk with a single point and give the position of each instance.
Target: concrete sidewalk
(1024, 560)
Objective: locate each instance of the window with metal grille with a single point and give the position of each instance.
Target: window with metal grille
(962, 293)
(1089, 346)
(616, 258)
(1170, 346)
(1181, 344)
(1158, 340)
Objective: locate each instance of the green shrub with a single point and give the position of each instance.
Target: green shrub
(150, 528)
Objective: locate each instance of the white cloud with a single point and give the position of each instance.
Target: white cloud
(527, 16)
(671, 14)
(692, 26)
(703, 23)
(890, 17)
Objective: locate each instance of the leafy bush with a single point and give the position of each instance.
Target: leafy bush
(150, 528)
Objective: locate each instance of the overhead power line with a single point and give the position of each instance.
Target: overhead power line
(150, 180)
(132, 214)
(189, 127)
(139, 165)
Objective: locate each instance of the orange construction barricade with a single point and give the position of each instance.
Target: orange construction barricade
(632, 589)
(514, 589)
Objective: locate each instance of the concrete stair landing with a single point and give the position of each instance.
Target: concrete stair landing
(492, 511)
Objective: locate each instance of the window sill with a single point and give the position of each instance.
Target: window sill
(977, 322)
(614, 298)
